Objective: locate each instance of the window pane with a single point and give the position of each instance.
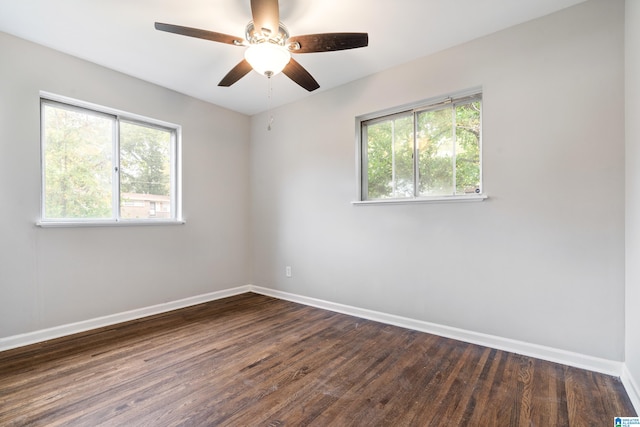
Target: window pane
(379, 160)
(78, 164)
(435, 152)
(468, 148)
(390, 158)
(145, 171)
(403, 156)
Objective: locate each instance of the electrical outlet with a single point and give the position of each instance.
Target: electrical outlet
(287, 271)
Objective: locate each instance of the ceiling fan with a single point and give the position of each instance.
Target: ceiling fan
(269, 46)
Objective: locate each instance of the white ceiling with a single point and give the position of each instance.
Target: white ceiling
(119, 34)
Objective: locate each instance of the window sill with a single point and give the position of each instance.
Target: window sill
(438, 199)
(108, 223)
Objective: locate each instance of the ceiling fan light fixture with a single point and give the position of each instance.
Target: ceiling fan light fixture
(269, 46)
(267, 58)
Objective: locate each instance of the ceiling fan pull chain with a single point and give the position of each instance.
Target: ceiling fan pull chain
(269, 105)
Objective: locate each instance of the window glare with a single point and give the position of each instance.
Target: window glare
(435, 152)
(380, 160)
(403, 157)
(78, 163)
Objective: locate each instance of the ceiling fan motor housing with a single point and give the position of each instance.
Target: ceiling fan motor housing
(256, 36)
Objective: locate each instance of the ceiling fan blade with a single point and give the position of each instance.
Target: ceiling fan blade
(199, 34)
(298, 74)
(236, 73)
(266, 16)
(327, 42)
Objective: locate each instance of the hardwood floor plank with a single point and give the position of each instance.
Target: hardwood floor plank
(252, 360)
(474, 413)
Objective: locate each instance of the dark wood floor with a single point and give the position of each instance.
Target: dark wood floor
(252, 360)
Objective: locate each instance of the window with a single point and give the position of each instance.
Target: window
(102, 166)
(431, 151)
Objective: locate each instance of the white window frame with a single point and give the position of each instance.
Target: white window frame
(412, 109)
(118, 115)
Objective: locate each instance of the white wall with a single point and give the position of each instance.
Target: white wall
(632, 89)
(541, 261)
(51, 277)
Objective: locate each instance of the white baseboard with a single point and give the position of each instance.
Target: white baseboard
(578, 360)
(99, 322)
(632, 387)
(609, 367)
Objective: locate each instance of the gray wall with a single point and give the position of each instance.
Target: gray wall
(50, 277)
(632, 89)
(542, 260)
